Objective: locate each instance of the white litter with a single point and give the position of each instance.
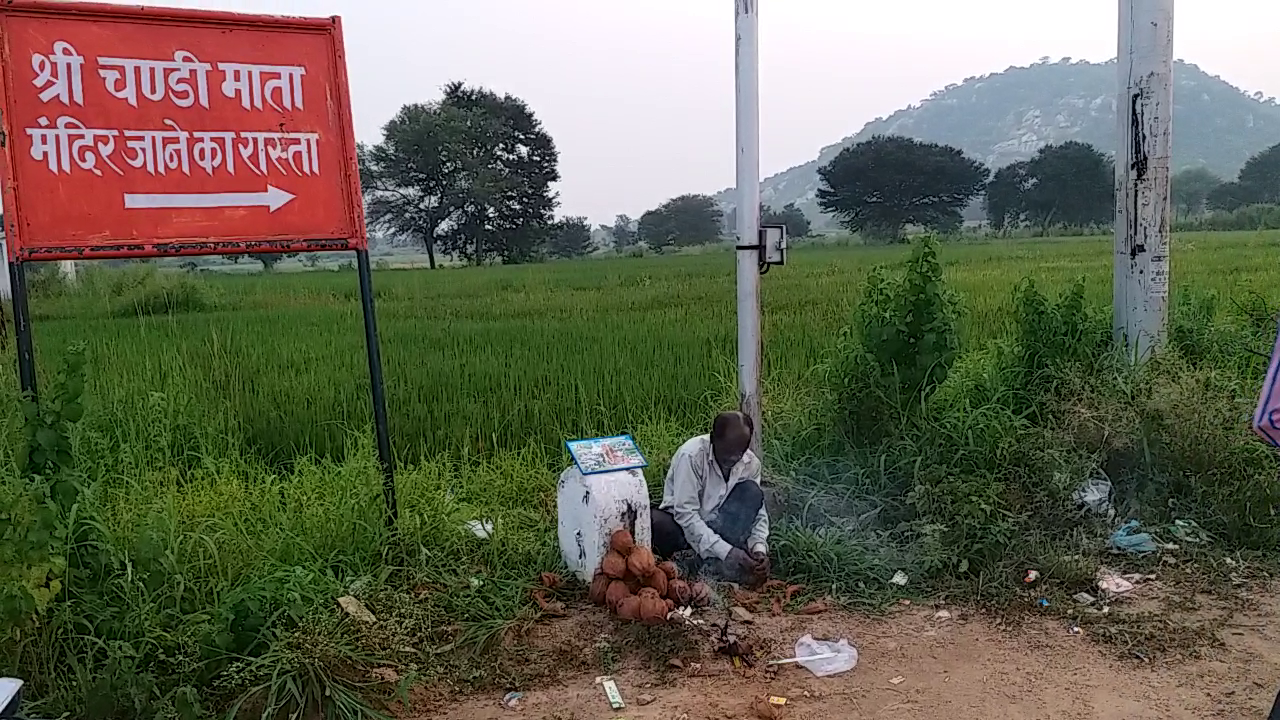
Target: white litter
(837, 657)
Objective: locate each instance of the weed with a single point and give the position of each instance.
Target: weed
(165, 294)
(608, 656)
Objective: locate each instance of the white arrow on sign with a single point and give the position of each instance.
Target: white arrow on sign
(273, 198)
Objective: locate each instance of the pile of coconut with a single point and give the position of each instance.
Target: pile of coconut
(637, 588)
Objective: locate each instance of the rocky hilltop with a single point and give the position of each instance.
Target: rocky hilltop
(1008, 116)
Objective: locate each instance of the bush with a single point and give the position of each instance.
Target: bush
(163, 294)
(45, 280)
(1249, 217)
(978, 454)
(899, 348)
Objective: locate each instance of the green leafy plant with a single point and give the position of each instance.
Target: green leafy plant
(35, 526)
(900, 347)
(1052, 336)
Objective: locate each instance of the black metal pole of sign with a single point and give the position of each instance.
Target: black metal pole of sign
(375, 381)
(22, 329)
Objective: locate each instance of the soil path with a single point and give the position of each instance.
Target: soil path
(913, 666)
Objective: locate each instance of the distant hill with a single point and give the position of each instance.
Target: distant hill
(1008, 116)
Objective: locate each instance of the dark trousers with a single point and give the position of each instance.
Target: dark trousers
(733, 523)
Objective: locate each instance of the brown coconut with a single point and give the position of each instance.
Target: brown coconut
(633, 583)
(700, 594)
(669, 568)
(653, 610)
(679, 591)
(658, 581)
(599, 586)
(629, 609)
(616, 593)
(622, 542)
(641, 562)
(614, 565)
(671, 605)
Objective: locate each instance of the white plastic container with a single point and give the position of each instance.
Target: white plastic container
(593, 507)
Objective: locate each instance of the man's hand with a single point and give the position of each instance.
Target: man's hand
(740, 563)
(752, 568)
(763, 567)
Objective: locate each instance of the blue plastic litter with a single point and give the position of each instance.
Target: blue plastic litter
(1128, 540)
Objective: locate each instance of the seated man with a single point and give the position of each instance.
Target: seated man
(712, 503)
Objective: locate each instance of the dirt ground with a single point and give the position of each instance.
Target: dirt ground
(915, 666)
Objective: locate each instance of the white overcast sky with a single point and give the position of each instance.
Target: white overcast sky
(639, 95)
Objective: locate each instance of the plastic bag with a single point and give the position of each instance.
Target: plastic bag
(846, 656)
(1128, 539)
(1094, 495)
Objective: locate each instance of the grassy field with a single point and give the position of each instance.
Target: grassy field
(231, 491)
(508, 358)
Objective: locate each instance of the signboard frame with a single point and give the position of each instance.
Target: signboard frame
(353, 235)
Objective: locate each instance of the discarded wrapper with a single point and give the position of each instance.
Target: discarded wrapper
(482, 529)
(612, 693)
(1113, 584)
(775, 700)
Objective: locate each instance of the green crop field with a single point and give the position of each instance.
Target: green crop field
(225, 455)
(505, 359)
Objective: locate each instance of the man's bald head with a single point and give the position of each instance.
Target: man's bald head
(730, 437)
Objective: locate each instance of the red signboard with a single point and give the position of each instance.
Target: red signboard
(144, 132)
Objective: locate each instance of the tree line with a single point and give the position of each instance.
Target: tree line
(470, 176)
(880, 187)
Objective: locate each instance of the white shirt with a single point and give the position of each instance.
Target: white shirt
(695, 489)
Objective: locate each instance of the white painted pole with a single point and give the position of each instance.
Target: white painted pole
(747, 73)
(68, 268)
(1145, 112)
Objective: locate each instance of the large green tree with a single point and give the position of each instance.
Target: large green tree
(681, 222)
(469, 175)
(1191, 189)
(570, 238)
(879, 186)
(1228, 196)
(790, 216)
(1006, 200)
(1073, 184)
(624, 232)
(1259, 179)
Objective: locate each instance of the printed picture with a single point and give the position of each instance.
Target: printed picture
(608, 454)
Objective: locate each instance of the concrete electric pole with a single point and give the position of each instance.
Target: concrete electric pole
(1144, 108)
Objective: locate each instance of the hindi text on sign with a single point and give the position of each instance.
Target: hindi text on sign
(184, 80)
(158, 151)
